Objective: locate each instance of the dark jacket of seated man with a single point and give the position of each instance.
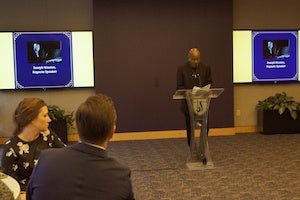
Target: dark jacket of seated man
(84, 171)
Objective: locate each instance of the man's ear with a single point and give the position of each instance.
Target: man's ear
(112, 132)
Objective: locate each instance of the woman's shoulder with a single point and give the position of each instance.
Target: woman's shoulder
(13, 140)
(52, 139)
(11, 145)
(49, 134)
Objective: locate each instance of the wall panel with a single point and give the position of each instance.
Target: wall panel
(140, 44)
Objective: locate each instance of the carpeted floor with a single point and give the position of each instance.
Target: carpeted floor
(246, 166)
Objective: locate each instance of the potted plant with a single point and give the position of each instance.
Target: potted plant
(278, 114)
(61, 121)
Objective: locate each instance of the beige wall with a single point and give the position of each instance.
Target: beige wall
(262, 14)
(35, 15)
(266, 14)
(246, 97)
(65, 98)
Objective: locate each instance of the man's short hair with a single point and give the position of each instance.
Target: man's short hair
(95, 118)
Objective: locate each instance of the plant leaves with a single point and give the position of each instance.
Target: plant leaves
(281, 110)
(293, 114)
(280, 102)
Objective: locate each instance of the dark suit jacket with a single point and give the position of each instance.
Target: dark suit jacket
(187, 78)
(80, 171)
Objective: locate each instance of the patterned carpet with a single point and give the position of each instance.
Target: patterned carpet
(246, 166)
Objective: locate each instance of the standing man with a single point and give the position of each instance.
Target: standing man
(193, 73)
(84, 170)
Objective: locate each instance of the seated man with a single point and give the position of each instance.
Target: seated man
(83, 170)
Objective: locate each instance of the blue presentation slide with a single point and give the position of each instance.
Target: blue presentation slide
(274, 56)
(43, 60)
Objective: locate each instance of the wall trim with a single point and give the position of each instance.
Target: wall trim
(164, 134)
(173, 134)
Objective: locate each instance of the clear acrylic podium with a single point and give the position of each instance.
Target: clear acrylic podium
(198, 105)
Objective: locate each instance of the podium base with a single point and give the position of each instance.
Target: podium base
(199, 165)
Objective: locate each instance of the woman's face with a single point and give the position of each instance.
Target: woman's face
(41, 122)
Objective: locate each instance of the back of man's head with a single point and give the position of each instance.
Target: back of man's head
(96, 119)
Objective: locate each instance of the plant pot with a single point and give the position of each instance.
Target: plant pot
(60, 128)
(270, 122)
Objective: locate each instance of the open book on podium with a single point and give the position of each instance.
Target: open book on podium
(198, 101)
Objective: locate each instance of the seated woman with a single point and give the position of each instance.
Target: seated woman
(31, 136)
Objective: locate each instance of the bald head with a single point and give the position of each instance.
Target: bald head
(194, 57)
